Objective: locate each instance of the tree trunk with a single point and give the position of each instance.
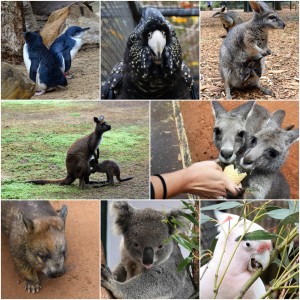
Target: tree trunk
(104, 293)
(12, 31)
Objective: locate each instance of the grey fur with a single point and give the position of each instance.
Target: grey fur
(245, 41)
(228, 18)
(265, 154)
(148, 267)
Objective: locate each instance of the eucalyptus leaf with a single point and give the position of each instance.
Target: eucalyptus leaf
(204, 218)
(279, 214)
(257, 235)
(223, 205)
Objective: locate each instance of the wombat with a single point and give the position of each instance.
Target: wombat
(37, 239)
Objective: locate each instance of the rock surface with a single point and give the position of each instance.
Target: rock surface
(15, 84)
(76, 14)
(11, 31)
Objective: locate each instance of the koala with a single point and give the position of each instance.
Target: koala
(149, 257)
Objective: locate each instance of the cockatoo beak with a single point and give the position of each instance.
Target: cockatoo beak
(157, 43)
(259, 260)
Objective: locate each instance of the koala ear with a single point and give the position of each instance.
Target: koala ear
(123, 212)
(176, 217)
(63, 213)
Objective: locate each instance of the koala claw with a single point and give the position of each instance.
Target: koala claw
(106, 273)
(32, 287)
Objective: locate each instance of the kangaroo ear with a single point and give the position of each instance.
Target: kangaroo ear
(96, 120)
(223, 8)
(257, 7)
(218, 109)
(243, 110)
(293, 136)
(276, 118)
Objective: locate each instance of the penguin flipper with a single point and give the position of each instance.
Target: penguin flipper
(33, 70)
(112, 86)
(68, 60)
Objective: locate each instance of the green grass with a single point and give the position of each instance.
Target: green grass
(36, 137)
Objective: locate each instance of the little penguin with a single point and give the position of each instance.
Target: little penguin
(41, 64)
(67, 45)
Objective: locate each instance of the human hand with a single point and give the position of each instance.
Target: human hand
(207, 180)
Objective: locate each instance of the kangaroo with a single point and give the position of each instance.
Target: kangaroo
(228, 19)
(231, 128)
(245, 41)
(37, 240)
(109, 167)
(265, 153)
(79, 155)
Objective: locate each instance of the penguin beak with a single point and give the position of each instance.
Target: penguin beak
(157, 43)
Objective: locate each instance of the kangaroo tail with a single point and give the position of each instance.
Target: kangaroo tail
(124, 179)
(46, 181)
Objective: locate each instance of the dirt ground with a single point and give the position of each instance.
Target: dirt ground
(81, 280)
(199, 120)
(86, 82)
(281, 74)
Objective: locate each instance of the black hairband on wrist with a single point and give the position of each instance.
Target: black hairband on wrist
(163, 184)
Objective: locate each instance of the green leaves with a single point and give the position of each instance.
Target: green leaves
(224, 205)
(257, 235)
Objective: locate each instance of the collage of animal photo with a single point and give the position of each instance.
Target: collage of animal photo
(149, 149)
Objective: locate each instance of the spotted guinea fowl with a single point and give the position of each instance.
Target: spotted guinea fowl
(152, 67)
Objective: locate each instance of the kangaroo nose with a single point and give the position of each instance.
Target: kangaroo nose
(226, 153)
(248, 160)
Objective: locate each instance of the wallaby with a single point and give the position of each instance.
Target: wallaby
(79, 155)
(250, 68)
(228, 18)
(266, 152)
(109, 167)
(245, 41)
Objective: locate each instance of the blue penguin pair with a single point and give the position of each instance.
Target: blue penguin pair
(41, 64)
(66, 46)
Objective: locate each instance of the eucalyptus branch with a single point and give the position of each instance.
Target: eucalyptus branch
(273, 256)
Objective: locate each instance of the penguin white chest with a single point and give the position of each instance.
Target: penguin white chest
(76, 47)
(26, 58)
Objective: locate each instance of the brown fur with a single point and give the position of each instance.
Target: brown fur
(78, 157)
(109, 167)
(36, 239)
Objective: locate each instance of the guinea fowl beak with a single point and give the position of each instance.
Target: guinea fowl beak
(157, 43)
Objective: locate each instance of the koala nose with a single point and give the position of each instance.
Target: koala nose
(148, 256)
(226, 153)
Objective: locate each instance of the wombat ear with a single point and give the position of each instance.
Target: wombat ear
(63, 213)
(29, 225)
(177, 220)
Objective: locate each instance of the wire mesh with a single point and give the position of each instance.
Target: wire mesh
(118, 23)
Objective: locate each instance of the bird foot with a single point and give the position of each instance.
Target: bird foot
(40, 92)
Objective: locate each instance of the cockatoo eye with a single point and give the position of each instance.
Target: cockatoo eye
(248, 244)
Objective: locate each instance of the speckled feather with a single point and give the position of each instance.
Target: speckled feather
(138, 77)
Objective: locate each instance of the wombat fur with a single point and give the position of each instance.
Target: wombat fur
(79, 155)
(37, 241)
(109, 167)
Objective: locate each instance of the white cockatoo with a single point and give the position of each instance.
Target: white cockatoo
(250, 256)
